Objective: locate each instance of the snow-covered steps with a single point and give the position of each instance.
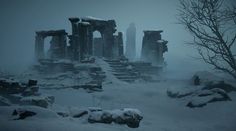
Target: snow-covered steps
(146, 67)
(122, 70)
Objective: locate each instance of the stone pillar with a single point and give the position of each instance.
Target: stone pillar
(62, 44)
(74, 24)
(85, 40)
(39, 47)
(75, 39)
(131, 42)
(120, 44)
(58, 47)
(108, 43)
(90, 40)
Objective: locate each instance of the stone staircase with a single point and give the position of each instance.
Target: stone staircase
(122, 70)
(147, 71)
(146, 68)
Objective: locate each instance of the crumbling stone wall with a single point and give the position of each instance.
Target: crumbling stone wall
(83, 41)
(57, 45)
(153, 47)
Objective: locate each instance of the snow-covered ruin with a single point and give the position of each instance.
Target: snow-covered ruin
(89, 83)
(82, 47)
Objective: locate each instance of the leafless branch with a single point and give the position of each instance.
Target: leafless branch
(213, 27)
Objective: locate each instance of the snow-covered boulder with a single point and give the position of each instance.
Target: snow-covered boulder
(131, 117)
(42, 101)
(177, 92)
(199, 96)
(204, 97)
(220, 85)
(100, 117)
(128, 116)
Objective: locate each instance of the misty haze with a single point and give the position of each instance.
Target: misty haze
(117, 65)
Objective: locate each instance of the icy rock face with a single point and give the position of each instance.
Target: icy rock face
(200, 96)
(130, 117)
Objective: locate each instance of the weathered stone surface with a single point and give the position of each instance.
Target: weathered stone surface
(81, 42)
(11, 87)
(153, 47)
(58, 44)
(130, 117)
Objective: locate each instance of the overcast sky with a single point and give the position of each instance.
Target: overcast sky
(21, 18)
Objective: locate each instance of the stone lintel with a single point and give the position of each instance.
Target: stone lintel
(51, 33)
(149, 32)
(74, 19)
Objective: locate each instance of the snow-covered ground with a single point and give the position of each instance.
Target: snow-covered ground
(159, 111)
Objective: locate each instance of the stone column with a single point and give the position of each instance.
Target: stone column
(108, 43)
(74, 24)
(90, 40)
(131, 42)
(62, 44)
(120, 44)
(75, 39)
(85, 40)
(39, 47)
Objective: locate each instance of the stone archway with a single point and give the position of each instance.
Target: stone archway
(82, 36)
(57, 47)
(97, 43)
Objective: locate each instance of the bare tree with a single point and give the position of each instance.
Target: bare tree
(213, 26)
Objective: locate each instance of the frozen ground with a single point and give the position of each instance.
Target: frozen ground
(159, 111)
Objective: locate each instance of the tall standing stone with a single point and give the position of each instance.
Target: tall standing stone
(131, 42)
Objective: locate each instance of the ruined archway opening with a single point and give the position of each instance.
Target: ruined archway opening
(97, 43)
(47, 45)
